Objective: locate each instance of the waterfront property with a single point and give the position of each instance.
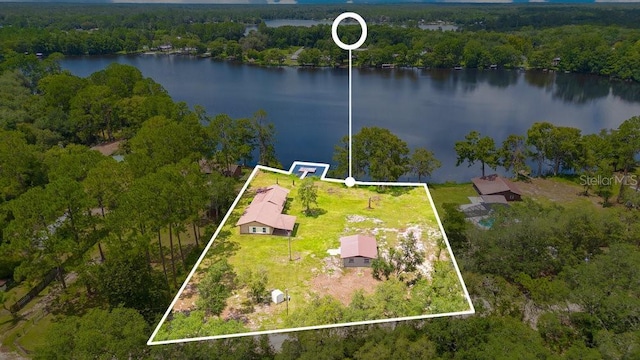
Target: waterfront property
(497, 185)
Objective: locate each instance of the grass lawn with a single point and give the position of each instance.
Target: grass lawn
(340, 211)
(13, 332)
(451, 193)
(33, 335)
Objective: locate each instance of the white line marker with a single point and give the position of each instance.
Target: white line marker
(350, 181)
(323, 177)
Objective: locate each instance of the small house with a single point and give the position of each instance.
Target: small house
(264, 215)
(497, 185)
(358, 250)
(277, 296)
(209, 166)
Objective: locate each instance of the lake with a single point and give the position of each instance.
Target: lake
(428, 108)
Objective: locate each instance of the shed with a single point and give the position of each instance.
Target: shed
(277, 296)
(358, 250)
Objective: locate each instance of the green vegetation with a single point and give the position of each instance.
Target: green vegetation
(595, 39)
(553, 278)
(116, 235)
(603, 162)
(381, 156)
(405, 240)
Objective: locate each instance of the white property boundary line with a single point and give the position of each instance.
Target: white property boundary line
(323, 178)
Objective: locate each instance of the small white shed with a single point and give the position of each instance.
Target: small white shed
(277, 296)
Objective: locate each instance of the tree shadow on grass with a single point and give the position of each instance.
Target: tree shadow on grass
(391, 190)
(222, 246)
(14, 320)
(397, 190)
(314, 213)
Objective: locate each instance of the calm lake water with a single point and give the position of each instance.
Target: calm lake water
(430, 108)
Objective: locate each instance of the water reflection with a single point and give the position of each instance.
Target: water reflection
(580, 89)
(430, 108)
(626, 90)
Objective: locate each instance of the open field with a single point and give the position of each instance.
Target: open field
(309, 271)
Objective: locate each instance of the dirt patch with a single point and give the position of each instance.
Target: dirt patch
(555, 191)
(187, 300)
(342, 285)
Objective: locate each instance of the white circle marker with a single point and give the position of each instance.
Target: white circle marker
(334, 31)
(350, 181)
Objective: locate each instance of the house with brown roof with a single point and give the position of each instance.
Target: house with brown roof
(209, 166)
(497, 185)
(358, 250)
(264, 214)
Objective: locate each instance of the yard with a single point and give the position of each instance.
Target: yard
(309, 271)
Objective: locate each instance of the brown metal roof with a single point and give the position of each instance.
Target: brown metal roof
(273, 194)
(358, 245)
(209, 166)
(266, 208)
(494, 184)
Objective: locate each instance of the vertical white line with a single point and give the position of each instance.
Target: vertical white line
(350, 126)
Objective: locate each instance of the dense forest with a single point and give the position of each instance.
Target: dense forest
(594, 39)
(548, 279)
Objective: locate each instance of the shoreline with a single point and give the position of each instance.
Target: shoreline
(382, 68)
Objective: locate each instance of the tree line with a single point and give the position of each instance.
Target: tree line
(585, 46)
(127, 228)
(380, 155)
(556, 150)
(576, 268)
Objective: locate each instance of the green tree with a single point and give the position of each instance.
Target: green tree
(92, 115)
(605, 288)
(604, 182)
(377, 153)
(126, 280)
(513, 154)
(21, 165)
(455, 226)
(160, 142)
(311, 57)
(423, 163)
(265, 138)
(215, 287)
(120, 333)
(563, 149)
(626, 147)
(407, 258)
(256, 282)
(59, 89)
(539, 136)
(308, 193)
(476, 148)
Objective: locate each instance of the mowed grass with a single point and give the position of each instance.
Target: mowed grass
(393, 208)
(451, 193)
